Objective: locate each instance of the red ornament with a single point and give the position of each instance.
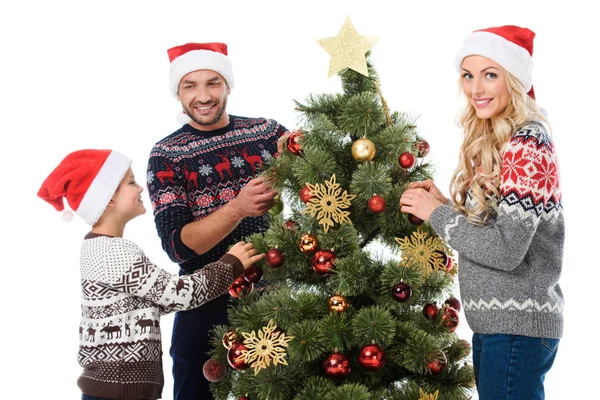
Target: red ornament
(322, 262)
(422, 148)
(450, 318)
(414, 220)
(376, 204)
(406, 160)
(305, 194)
(234, 356)
(401, 292)
(244, 398)
(290, 224)
(449, 264)
(371, 357)
(430, 311)
(253, 273)
(240, 287)
(336, 366)
(437, 363)
(274, 258)
(466, 349)
(214, 370)
(454, 303)
(293, 142)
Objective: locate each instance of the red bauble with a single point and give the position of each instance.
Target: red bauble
(214, 370)
(323, 262)
(240, 287)
(430, 311)
(406, 160)
(438, 363)
(376, 204)
(244, 398)
(234, 356)
(336, 366)
(290, 224)
(414, 220)
(454, 303)
(274, 258)
(422, 148)
(371, 357)
(449, 264)
(401, 292)
(253, 274)
(293, 142)
(305, 194)
(450, 318)
(466, 349)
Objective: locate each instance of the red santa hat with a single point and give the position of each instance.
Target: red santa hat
(195, 56)
(87, 179)
(510, 46)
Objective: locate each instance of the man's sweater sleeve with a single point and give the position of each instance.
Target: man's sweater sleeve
(130, 271)
(167, 190)
(529, 175)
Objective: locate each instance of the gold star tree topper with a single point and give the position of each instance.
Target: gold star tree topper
(348, 49)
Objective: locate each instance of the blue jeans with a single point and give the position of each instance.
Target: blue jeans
(512, 367)
(189, 345)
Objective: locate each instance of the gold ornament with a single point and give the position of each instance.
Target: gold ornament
(229, 338)
(265, 347)
(348, 49)
(308, 243)
(328, 203)
(426, 396)
(422, 250)
(338, 303)
(363, 150)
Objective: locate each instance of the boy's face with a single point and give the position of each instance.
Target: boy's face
(127, 200)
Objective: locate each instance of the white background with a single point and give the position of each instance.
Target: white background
(94, 75)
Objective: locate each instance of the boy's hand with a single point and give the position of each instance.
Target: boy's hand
(246, 253)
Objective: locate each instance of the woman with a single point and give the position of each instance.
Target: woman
(504, 218)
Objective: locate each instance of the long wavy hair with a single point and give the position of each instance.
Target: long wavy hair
(480, 158)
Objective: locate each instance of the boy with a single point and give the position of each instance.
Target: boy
(122, 293)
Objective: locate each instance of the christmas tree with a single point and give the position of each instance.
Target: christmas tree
(338, 318)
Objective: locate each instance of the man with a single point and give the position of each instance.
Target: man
(204, 191)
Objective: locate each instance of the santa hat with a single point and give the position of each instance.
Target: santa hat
(510, 46)
(195, 56)
(87, 179)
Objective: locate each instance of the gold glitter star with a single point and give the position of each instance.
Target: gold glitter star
(423, 251)
(348, 49)
(329, 203)
(426, 396)
(266, 347)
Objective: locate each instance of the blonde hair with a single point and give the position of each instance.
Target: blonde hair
(480, 157)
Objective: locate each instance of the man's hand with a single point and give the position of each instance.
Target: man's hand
(255, 199)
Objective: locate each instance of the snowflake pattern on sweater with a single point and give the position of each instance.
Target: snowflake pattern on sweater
(193, 173)
(509, 268)
(123, 295)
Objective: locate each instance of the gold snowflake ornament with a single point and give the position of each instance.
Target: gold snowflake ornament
(426, 396)
(328, 203)
(423, 250)
(265, 347)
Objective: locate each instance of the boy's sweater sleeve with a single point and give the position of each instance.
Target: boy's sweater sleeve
(129, 271)
(527, 189)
